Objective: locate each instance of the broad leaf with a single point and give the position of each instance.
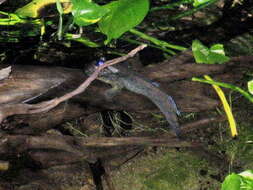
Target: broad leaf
(35, 7)
(213, 55)
(231, 182)
(123, 15)
(200, 51)
(217, 54)
(86, 12)
(242, 181)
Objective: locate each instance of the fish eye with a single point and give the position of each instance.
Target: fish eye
(100, 62)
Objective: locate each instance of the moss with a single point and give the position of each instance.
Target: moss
(176, 171)
(239, 151)
(170, 170)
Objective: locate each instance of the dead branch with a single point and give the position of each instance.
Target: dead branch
(200, 124)
(4, 73)
(190, 96)
(77, 144)
(8, 110)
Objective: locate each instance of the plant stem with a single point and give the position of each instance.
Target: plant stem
(154, 46)
(227, 108)
(156, 41)
(82, 40)
(226, 85)
(193, 10)
(169, 6)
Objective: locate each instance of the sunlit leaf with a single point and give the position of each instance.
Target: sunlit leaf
(203, 54)
(123, 15)
(35, 7)
(217, 54)
(248, 173)
(200, 2)
(250, 86)
(86, 12)
(232, 182)
(200, 51)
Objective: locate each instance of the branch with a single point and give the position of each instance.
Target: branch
(14, 109)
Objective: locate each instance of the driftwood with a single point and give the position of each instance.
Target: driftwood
(34, 84)
(75, 175)
(59, 156)
(57, 149)
(78, 145)
(28, 82)
(63, 159)
(23, 108)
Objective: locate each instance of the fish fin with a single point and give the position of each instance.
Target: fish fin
(173, 103)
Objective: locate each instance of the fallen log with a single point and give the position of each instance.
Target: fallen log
(32, 84)
(26, 83)
(57, 81)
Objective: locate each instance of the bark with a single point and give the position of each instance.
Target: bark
(27, 83)
(33, 84)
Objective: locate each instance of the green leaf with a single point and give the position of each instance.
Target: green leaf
(231, 182)
(217, 54)
(250, 86)
(200, 2)
(213, 55)
(123, 15)
(33, 9)
(200, 52)
(247, 182)
(86, 12)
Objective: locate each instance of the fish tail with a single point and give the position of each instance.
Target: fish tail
(168, 110)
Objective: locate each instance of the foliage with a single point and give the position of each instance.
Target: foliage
(213, 55)
(226, 107)
(225, 85)
(123, 15)
(86, 12)
(60, 11)
(203, 54)
(197, 3)
(113, 19)
(216, 54)
(10, 19)
(242, 181)
(250, 86)
(32, 9)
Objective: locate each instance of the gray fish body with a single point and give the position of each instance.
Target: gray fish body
(120, 77)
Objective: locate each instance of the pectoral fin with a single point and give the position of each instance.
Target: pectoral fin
(115, 90)
(173, 103)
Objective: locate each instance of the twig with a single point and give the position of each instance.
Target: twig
(186, 128)
(2, 1)
(14, 109)
(4, 73)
